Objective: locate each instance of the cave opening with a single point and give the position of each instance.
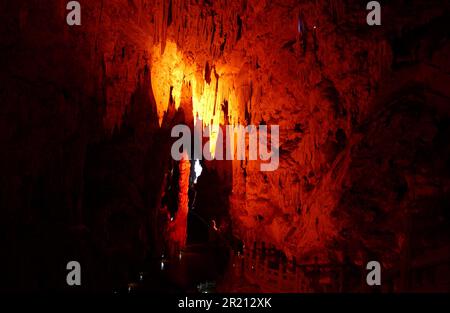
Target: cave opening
(208, 219)
(194, 225)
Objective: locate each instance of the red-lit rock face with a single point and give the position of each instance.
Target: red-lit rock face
(317, 84)
(176, 226)
(314, 84)
(363, 115)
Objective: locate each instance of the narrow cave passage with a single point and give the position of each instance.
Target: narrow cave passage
(209, 207)
(204, 258)
(193, 238)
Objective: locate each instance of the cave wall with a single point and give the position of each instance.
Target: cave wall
(77, 126)
(327, 87)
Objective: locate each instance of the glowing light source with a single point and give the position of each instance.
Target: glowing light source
(214, 225)
(198, 170)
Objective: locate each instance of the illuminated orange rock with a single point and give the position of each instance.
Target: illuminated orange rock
(177, 225)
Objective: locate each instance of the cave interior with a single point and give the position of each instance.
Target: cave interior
(364, 155)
